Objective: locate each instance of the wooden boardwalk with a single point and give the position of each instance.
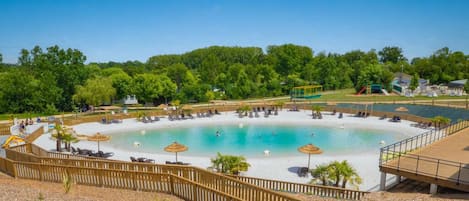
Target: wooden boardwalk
(445, 162)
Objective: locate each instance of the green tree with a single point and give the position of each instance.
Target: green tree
(58, 135)
(391, 54)
(229, 164)
(62, 68)
(349, 175)
(69, 138)
(21, 92)
(414, 83)
(150, 88)
(373, 74)
(339, 174)
(288, 58)
(121, 81)
(439, 121)
(466, 89)
(320, 175)
(316, 109)
(95, 92)
(177, 73)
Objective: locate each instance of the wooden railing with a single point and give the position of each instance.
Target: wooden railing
(218, 182)
(407, 145)
(145, 181)
(34, 135)
(403, 116)
(5, 129)
(323, 191)
(429, 167)
(6, 166)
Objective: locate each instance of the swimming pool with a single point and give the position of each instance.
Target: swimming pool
(253, 140)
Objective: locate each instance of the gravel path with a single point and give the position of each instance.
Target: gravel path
(29, 190)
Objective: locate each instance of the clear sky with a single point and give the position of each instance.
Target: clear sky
(121, 30)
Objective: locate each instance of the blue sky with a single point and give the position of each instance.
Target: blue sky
(121, 30)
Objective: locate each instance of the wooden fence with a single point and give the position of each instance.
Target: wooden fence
(144, 181)
(34, 135)
(403, 116)
(214, 181)
(202, 176)
(5, 129)
(323, 191)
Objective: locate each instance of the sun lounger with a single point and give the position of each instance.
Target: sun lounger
(133, 159)
(383, 117)
(104, 155)
(302, 172)
(145, 160)
(74, 151)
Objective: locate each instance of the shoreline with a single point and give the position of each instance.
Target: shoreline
(271, 167)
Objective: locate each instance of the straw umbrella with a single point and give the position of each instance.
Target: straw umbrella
(176, 147)
(98, 137)
(309, 149)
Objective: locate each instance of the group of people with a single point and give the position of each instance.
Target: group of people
(25, 123)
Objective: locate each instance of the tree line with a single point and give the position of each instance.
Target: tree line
(57, 79)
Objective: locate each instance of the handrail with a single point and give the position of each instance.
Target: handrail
(135, 180)
(324, 191)
(34, 135)
(432, 162)
(5, 129)
(421, 140)
(209, 179)
(392, 155)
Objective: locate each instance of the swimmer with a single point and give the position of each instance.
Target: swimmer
(217, 133)
(312, 134)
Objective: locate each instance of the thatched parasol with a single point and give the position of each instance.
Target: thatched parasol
(401, 109)
(309, 149)
(176, 147)
(98, 137)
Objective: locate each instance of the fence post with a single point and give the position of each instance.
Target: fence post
(171, 184)
(417, 166)
(398, 161)
(459, 173)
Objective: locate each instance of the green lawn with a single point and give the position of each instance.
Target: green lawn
(344, 95)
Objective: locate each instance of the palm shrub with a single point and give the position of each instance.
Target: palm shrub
(229, 164)
(320, 175)
(337, 174)
(316, 109)
(58, 135)
(69, 138)
(438, 121)
(67, 182)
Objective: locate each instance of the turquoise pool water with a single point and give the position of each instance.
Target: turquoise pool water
(252, 140)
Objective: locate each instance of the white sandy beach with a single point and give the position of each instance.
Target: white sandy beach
(269, 167)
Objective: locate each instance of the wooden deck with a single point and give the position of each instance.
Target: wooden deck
(445, 162)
